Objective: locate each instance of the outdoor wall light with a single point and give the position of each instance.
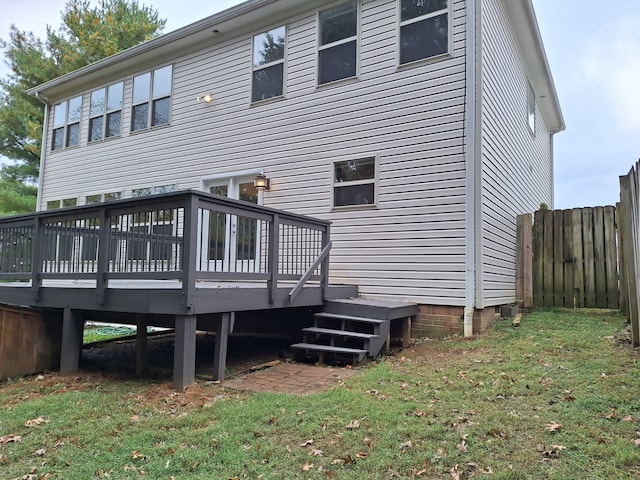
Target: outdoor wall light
(206, 98)
(262, 183)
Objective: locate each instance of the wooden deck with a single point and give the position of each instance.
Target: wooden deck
(173, 256)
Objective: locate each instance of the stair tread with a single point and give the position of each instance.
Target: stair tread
(349, 317)
(344, 333)
(327, 348)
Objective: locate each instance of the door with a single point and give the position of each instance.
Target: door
(233, 239)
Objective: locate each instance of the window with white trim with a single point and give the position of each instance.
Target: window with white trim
(98, 198)
(105, 112)
(151, 102)
(424, 29)
(268, 64)
(66, 123)
(338, 46)
(354, 182)
(531, 108)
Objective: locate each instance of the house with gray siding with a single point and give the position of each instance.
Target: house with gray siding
(419, 129)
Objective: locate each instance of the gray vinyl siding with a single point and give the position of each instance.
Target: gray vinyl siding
(517, 170)
(411, 247)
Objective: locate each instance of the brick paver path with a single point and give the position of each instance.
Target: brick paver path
(294, 378)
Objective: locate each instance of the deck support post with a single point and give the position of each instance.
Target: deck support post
(72, 330)
(224, 326)
(142, 363)
(184, 357)
(406, 332)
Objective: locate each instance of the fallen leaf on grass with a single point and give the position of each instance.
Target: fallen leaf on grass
(36, 421)
(553, 426)
(307, 443)
(316, 452)
(136, 454)
(361, 455)
(40, 452)
(456, 473)
(3, 459)
(628, 418)
(611, 414)
(406, 445)
(353, 424)
(636, 442)
(307, 466)
(10, 439)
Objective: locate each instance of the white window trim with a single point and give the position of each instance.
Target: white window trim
(531, 108)
(65, 126)
(105, 113)
(270, 64)
(375, 181)
(400, 24)
(356, 37)
(150, 99)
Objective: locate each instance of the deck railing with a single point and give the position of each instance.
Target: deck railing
(186, 236)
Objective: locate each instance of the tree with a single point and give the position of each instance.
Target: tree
(86, 35)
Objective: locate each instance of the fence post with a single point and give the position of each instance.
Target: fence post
(524, 266)
(104, 248)
(624, 295)
(37, 243)
(189, 250)
(627, 196)
(274, 260)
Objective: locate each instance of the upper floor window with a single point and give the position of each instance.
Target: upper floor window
(424, 29)
(354, 182)
(151, 102)
(268, 64)
(105, 112)
(337, 53)
(66, 123)
(531, 108)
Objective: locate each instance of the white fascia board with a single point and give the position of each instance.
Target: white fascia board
(525, 26)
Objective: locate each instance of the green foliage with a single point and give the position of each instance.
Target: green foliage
(556, 398)
(86, 35)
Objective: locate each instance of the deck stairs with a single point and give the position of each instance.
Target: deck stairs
(347, 331)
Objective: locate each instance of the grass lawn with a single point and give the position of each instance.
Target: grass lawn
(557, 398)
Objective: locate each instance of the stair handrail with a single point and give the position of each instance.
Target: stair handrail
(303, 280)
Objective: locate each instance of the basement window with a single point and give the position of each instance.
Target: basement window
(354, 182)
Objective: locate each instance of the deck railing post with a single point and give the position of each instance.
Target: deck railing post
(189, 251)
(36, 257)
(104, 241)
(326, 240)
(274, 249)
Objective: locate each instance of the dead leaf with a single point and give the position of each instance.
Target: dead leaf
(406, 445)
(39, 378)
(636, 442)
(373, 392)
(455, 472)
(316, 452)
(3, 459)
(134, 418)
(136, 454)
(337, 461)
(628, 418)
(10, 439)
(611, 414)
(553, 426)
(307, 443)
(353, 424)
(307, 466)
(36, 421)
(40, 452)
(361, 455)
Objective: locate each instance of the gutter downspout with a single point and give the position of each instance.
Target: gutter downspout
(43, 149)
(473, 152)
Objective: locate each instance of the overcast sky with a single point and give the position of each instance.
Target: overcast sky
(594, 53)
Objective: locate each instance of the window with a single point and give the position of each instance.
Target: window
(424, 29)
(268, 64)
(354, 182)
(531, 108)
(66, 123)
(105, 112)
(69, 202)
(107, 197)
(53, 204)
(338, 42)
(151, 98)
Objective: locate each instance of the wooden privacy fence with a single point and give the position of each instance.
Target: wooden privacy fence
(575, 258)
(629, 214)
